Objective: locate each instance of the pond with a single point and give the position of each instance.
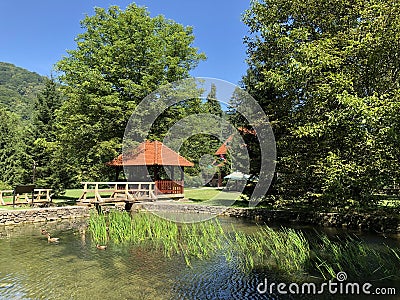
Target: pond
(32, 268)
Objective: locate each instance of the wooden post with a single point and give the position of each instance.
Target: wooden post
(155, 173)
(172, 171)
(1, 198)
(48, 195)
(96, 193)
(83, 196)
(115, 193)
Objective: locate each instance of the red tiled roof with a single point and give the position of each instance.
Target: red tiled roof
(151, 153)
(223, 149)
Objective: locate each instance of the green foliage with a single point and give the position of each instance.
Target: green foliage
(212, 104)
(47, 102)
(121, 57)
(45, 149)
(326, 76)
(5, 186)
(18, 89)
(15, 162)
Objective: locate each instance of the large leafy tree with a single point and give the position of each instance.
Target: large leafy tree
(326, 73)
(122, 56)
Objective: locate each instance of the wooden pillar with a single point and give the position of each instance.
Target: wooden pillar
(181, 189)
(172, 172)
(155, 173)
(117, 171)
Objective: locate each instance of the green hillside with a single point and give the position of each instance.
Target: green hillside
(18, 89)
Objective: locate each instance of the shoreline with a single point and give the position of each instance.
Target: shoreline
(367, 221)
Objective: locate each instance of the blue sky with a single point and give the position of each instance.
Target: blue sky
(36, 34)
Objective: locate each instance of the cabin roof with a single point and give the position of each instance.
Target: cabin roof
(223, 149)
(151, 153)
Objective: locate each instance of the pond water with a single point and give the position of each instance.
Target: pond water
(31, 268)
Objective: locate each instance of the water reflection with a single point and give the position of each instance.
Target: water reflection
(31, 268)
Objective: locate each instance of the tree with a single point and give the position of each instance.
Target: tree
(15, 162)
(212, 104)
(18, 89)
(120, 58)
(45, 105)
(326, 74)
(45, 148)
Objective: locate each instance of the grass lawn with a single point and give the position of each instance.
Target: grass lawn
(206, 196)
(200, 194)
(72, 195)
(212, 196)
(68, 198)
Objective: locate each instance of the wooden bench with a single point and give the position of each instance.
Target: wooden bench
(23, 189)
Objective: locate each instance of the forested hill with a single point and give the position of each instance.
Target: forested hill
(18, 89)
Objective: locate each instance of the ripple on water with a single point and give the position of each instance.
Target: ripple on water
(31, 268)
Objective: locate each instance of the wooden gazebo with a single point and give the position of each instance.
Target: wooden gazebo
(155, 160)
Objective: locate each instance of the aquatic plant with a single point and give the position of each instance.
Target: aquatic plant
(198, 240)
(98, 227)
(286, 251)
(356, 258)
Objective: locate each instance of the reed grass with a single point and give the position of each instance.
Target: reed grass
(355, 257)
(198, 240)
(286, 251)
(98, 227)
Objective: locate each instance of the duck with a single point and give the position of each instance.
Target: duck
(101, 247)
(51, 239)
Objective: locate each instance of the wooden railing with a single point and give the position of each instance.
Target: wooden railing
(119, 191)
(169, 187)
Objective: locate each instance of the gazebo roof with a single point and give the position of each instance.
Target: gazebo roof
(151, 153)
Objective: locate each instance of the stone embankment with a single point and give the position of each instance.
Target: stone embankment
(375, 222)
(23, 216)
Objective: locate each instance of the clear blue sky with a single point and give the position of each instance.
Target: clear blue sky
(36, 34)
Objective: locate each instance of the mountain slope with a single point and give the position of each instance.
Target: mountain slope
(18, 89)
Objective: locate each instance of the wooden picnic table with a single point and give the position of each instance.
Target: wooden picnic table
(39, 196)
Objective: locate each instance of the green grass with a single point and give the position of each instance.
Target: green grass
(200, 194)
(211, 196)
